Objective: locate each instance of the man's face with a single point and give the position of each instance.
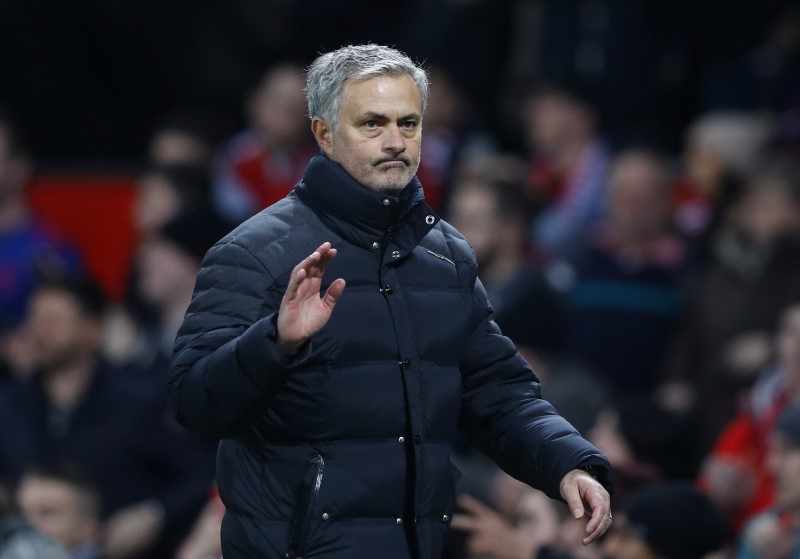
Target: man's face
(54, 508)
(379, 134)
(60, 332)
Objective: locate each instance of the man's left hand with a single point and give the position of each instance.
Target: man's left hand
(579, 489)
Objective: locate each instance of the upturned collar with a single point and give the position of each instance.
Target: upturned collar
(360, 215)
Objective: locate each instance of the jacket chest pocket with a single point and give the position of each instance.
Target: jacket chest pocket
(301, 529)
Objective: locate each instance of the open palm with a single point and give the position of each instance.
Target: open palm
(303, 312)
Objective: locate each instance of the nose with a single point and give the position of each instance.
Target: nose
(394, 141)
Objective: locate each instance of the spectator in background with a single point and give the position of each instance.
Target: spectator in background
(754, 272)
(722, 149)
(61, 502)
(626, 299)
(167, 267)
(153, 478)
(29, 248)
(18, 539)
(735, 474)
(491, 207)
(568, 169)
(261, 164)
(775, 534)
(666, 521)
(186, 138)
(163, 193)
(448, 136)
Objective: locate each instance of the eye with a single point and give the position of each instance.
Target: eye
(409, 125)
(371, 124)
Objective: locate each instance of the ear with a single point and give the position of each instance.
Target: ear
(324, 135)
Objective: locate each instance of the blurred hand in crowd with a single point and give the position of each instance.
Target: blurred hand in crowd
(132, 530)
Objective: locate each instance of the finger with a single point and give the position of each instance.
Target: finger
(325, 260)
(601, 515)
(605, 524)
(465, 523)
(597, 526)
(298, 275)
(473, 505)
(333, 292)
(573, 498)
(316, 267)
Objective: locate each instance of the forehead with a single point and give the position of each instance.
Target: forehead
(381, 94)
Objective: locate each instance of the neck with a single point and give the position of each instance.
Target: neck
(66, 385)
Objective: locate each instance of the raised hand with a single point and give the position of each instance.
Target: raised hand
(303, 312)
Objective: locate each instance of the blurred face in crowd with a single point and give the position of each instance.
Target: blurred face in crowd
(278, 109)
(176, 147)
(58, 510)
(167, 273)
(473, 212)
(156, 203)
(622, 542)
(446, 102)
(379, 134)
(555, 121)
(61, 332)
(789, 344)
(768, 211)
(638, 198)
(705, 169)
(783, 460)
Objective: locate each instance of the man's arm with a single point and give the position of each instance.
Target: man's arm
(505, 417)
(229, 356)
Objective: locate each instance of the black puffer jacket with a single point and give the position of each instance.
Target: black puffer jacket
(341, 451)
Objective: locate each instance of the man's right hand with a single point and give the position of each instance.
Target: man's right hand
(303, 312)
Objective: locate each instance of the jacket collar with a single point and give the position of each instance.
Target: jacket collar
(359, 214)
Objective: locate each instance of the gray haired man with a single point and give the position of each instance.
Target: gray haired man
(336, 399)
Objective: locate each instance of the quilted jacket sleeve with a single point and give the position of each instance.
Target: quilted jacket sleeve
(504, 416)
(226, 364)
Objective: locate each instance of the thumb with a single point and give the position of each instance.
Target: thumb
(333, 293)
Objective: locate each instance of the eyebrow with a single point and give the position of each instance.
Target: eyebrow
(377, 116)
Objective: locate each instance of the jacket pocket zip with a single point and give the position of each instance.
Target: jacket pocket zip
(440, 257)
(304, 515)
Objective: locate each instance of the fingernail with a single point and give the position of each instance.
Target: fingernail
(576, 513)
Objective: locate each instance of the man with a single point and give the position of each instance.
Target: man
(336, 424)
(60, 501)
(152, 477)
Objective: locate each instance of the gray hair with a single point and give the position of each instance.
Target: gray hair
(327, 75)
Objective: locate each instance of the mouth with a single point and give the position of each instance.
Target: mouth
(400, 163)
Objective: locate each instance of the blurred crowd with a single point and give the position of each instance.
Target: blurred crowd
(635, 213)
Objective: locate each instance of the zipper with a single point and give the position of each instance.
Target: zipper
(440, 257)
(303, 523)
